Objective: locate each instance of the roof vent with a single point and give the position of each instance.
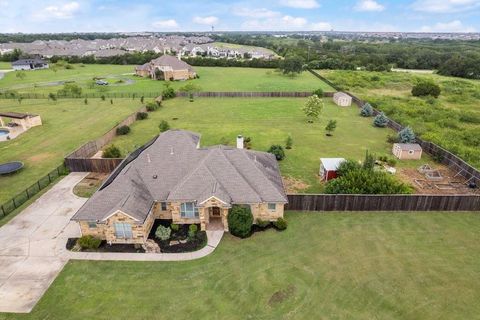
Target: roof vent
(148, 158)
(155, 176)
(171, 150)
(239, 141)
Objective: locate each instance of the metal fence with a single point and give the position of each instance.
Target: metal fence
(92, 95)
(31, 191)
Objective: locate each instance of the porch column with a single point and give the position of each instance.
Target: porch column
(1, 122)
(225, 219)
(203, 218)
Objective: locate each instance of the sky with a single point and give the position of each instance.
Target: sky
(37, 16)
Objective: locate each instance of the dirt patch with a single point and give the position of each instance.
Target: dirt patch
(282, 295)
(87, 187)
(40, 157)
(450, 182)
(293, 185)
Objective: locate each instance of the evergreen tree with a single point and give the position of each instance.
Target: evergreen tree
(380, 120)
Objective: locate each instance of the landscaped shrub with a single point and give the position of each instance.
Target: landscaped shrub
(369, 161)
(280, 224)
(168, 92)
(142, 115)
(289, 142)
(163, 233)
(103, 97)
(391, 138)
(347, 166)
(52, 96)
(318, 92)
(174, 227)
(163, 126)
(89, 242)
(70, 89)
(380, 120)
(262, 223)
(277, 151)
(367, 110)
(112, 151)
(247, 143)
(331, 126)
(123, 130)
(240, 220)
(152, 106)
(392, 162)
(192, 231)
(406, 135)
(426, 88)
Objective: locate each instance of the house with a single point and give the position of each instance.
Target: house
(30, 64)
(342, 99)
(23, 120)
(407, 151)
(329, 167)
(173, 178)
(166, 68)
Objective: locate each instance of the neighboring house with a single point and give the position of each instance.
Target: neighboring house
(166, 68)
(23, 120)
(342, 99)
(172, 177)
(329, 167)
(407, 151)
(30, 64)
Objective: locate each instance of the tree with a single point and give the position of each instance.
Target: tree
(52, 96)
(70, 89)
(163, 126)
(406, 135)
(331, 126)
(426, 88)
(318, 92)
(112, 151)
(277, 151)
(240, 220)
(292, 65)
(369, 162)
(313, 107)
(168, 92)
(380, 120)
(367, 110)
(190, 88)
(288, 142)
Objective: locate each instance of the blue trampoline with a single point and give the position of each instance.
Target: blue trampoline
(10, 167)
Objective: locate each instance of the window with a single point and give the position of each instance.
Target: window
(411, 151)
(163, 206)
(92, 225)
(272, 206)
(123, 230)
(189, 210)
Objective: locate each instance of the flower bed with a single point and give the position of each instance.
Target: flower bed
(105, 247)
(179, 240)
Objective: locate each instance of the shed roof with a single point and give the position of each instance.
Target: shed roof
(16, 115)
(409, 146)
(331, 164)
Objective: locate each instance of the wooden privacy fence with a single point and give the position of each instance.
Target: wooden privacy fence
(440, 154)
(356, 202)
(81, 159)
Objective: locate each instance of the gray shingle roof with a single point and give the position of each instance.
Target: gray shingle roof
(171, 61)
(173, 169)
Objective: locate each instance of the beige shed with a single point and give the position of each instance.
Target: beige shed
(407, 151)
(342, 99)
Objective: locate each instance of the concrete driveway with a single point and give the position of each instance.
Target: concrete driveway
(32, 246)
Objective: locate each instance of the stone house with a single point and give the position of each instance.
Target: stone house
(30, 64)
(166, 68)
(173, 178)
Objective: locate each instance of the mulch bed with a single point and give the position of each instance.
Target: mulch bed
(105, 247)
(199, 242)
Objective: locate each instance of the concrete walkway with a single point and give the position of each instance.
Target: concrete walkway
(32, 247)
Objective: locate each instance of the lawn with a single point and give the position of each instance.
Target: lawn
(66, 125)
(5, 65)
(324, 266)
(452, 120)
(267, 122)
(121, 79)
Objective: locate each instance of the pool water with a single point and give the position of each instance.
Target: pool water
(4, 132)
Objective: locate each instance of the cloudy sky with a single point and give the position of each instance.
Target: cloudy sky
(284, 15)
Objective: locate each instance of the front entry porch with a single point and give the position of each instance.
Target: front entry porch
(215, 218)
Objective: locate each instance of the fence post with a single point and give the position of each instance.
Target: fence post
(3, 211)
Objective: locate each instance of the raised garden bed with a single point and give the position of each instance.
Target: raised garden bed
(105, 247)
(179, 241)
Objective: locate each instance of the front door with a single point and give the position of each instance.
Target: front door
(215, 212)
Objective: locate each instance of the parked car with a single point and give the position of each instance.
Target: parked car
(101, 82)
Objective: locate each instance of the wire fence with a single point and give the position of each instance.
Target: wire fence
(22, 197)
(90, 95)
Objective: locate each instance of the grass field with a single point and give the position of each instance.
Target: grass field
(66, 125)
(324, 266)
(267, 122)
(211, 79)
(452, 120)
(5, 65)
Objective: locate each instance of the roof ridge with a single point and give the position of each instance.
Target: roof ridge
(263, 173)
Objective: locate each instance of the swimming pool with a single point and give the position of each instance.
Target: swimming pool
(4, 134)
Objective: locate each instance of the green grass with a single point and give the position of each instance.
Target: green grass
(267, 122)
(66, 125)
(452, 120)
(211, 79)
(324, 266)
(5, 65)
